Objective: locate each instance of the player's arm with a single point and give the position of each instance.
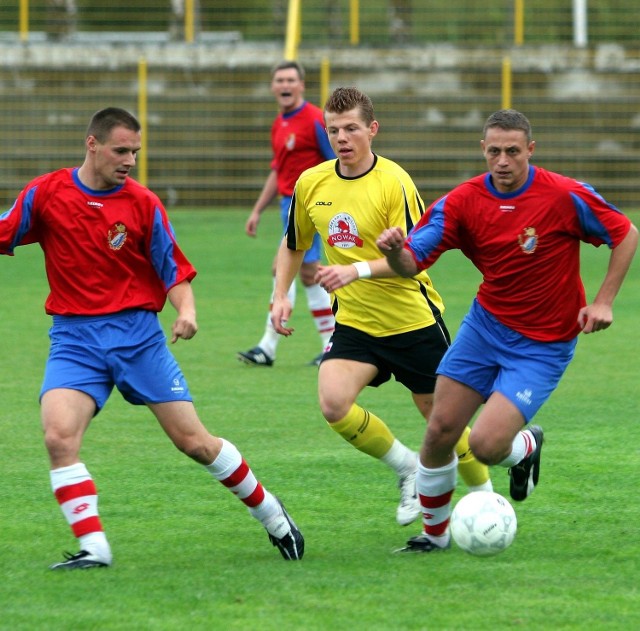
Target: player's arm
(267, 195)
(599, 314)
(332, 277)
(391, 243)
(288, 264)
(322, 139)
(183, 301)
(17, 224)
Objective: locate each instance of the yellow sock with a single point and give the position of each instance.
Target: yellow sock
(365, 431)
(474, 473)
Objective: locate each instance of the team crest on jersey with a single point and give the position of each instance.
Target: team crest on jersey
(528, 240)
(117, 236)
(291, 142)
(343, 232)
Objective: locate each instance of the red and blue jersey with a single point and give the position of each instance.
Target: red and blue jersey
(299, 141)
(104, 251)
(525, 243)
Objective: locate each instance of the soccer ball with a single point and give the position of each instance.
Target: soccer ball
(483, 523)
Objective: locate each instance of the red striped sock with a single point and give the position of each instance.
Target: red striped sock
(78, 498)
(231, 469)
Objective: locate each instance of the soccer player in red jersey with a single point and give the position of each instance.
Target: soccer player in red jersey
(298, 141)
(521, 226)
(112, 260)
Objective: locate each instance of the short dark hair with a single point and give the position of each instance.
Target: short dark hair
(286, 64)
(345, 99)
(103, 122)
(508, 119)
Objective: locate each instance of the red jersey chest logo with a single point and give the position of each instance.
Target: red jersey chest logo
(343, 232)
(528, 240)
(117, 236)
(290, 142)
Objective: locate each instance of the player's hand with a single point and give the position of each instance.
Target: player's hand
(185, 327)
(251, 227)
(391, 240)
(332, 277)
(280, 313)
(595, 317)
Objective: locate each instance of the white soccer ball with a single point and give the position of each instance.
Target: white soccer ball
(483, 523)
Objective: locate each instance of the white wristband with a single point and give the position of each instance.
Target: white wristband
(363, 269)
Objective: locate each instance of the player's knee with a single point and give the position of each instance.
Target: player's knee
(202, 451)
(332, 410)
(61, 446)
(442, 435)
(487, 451)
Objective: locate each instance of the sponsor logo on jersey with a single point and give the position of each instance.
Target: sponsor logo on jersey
(507, 209)
(528, 240)
(117, 235)
(343, 232)
(290, 142)
(95, 204)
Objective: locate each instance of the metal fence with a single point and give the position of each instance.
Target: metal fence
(378, 22)
(210, 109)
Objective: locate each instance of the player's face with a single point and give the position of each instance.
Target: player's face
(288, 88)
(507, 153)
(113, 160)
(350, 137)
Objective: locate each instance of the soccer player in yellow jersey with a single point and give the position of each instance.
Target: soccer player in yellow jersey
(385, 325)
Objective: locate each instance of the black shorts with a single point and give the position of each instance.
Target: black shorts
(412, 358)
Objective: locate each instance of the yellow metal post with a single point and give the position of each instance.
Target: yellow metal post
(354, 22)
(142, 117)
(506, 82)
(189, 17)
(324, 81)
(518, 22)
(293, 30)
(24, 20)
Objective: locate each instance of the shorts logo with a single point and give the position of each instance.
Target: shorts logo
(343, 232)
(176, 386)
(524, 397)
(117, 236)
(528, 240)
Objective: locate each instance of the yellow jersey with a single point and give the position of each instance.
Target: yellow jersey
(349, 214)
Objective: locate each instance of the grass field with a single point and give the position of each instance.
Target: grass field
(187, 554)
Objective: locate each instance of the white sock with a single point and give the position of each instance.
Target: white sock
(270, 339)
(96, 543)
(319, 303)
(400, 458)
(523, 444)
(228, 461)
(269, 514)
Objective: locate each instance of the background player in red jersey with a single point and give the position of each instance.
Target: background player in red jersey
(96, 225)
(522, 227)
(298, 141)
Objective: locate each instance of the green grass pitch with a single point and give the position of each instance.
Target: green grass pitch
(187, 554)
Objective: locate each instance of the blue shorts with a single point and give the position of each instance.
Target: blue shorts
(490, 357)
(127, 350)
(314, 253)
